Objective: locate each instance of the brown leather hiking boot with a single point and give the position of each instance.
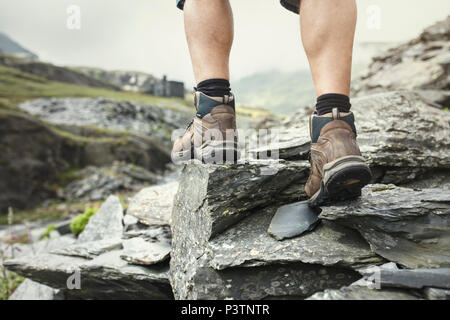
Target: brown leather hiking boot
(212, 136)
(338, 171)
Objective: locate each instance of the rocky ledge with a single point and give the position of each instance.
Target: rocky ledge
(206, 236)
(115, 257)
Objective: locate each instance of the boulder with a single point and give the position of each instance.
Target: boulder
(106, 223)
(153, 206)
(420, 64)
(30, 290)
(104, 277)
(404, 145)
(406, 226)
(221, 248)
(224, 194)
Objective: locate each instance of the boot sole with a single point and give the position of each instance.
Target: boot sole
(343, 179)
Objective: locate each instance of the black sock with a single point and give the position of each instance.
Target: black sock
(214, 87)
(326, 103)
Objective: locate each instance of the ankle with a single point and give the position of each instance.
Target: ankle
(327, 102)
(214, 87)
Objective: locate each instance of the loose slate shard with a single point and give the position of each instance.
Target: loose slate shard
(391, 276)
(294, 219)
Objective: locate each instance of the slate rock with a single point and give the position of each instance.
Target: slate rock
(108, 114)
(410, 278)
(290, 281)
(106, 223)
(406, 226)
(224, 194)
(421, 63)
(292, 220)
(141, 252)
(90, 249)
(30, 290)
(249, 244)
(437, 294)
(363, 293)
(221, 248)
(153, 205)
(105, 277)
(406, 144)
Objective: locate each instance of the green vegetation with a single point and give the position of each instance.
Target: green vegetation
(48, 231)
(79, 222)
(9, 281)
(382, 189)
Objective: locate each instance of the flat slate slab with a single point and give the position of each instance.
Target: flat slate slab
(104, 277)
(91, 249)
(141, 252)
(391, 276)
(106, 223)
(293, 219)
(30, 290)
(406, 226)
(153, 206)
(363, 293)
(249, 244)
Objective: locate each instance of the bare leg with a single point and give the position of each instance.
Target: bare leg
(209, 32)
(328, 30)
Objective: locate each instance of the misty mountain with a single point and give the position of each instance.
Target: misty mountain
(11, 47)
(280, 92)
(286, 92)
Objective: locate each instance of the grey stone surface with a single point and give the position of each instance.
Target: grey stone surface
(30, 290)
(249, 244)
(410, 227)
(421, 63)
(93, 184)
(292, 220)
(141, 252)
(437, 294)
(106, 223)
(292, 144)
(108, 114)
(153, 205)
(223, 195)
(391, 276)
(409, 143)
(105, 277)
(90, 249)
(363, 293)
(215, 256)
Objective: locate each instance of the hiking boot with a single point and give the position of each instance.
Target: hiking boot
(338, 171)
(212, 136)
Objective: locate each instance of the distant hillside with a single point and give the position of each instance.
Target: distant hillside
(10, 47)
(286, 92)
(276, 91)
(136, 81)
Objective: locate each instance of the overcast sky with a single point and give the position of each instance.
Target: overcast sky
(147, 35)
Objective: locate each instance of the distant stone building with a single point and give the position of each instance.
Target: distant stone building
(164, 88)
